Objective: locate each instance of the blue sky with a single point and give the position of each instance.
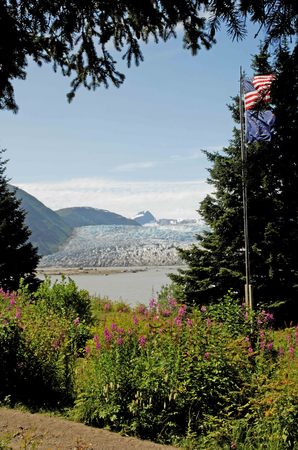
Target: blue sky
(128, 149)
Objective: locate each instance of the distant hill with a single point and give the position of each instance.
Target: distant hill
(144, 217)
(83, 216)
(49, 231)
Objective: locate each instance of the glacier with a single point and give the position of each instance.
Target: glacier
(123, 245)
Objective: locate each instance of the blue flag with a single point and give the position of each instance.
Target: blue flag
(259, 122)
(259, 125)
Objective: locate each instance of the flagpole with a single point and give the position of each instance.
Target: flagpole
(248, 287)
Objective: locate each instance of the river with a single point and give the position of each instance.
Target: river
(138, 285)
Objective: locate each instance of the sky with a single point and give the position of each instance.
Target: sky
(128, 149)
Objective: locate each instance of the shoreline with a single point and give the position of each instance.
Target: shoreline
(97, 270)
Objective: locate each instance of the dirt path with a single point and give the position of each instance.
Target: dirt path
(23, 430)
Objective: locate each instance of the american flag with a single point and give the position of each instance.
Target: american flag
(257, 90)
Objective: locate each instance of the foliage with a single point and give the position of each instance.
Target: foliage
(77, 36)
(39, 345)
(202, 377)
(18, 258)
(216, 263)
(65, 299)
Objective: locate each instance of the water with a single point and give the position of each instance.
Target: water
(131, 287)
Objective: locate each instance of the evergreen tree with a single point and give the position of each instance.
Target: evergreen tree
(216, 263)
(79, 36)
(18, 258)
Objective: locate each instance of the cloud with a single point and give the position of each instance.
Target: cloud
(129, 167)
(163, 199)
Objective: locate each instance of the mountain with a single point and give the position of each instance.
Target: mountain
(83, 216)
(49, 231)
(144, 217)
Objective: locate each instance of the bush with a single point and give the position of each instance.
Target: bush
(38, 352)
(194, 377)
(65, 299)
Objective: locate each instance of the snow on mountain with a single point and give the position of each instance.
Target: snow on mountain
(144, 217)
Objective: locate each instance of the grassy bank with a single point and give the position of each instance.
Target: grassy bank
(199, 378)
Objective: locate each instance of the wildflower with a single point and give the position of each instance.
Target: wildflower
(296, 335)
(113, 326)
(56, 344)
(76, 322)
(270, 346)
(250, 350)
(165, 312)
(178, 321)
(142, 309)
(292, 351)
(208, 323)
(120, 341)
(203, 309)
(142, 341)
(107, 335)
(18, 313)
(107, 307)
(206, 355)
(246, 316)
(172, 302)
(152, 303)
(87, 349)
(182, 310)
(281, 351)
(12, 300)
(189, 322)
(135, 320)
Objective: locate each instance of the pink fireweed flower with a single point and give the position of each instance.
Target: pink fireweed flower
(107, 335)
(262, 345)
(189, 322)
(203, 309)
(206, 355)
(246, 316)
(76, 322)
(152, 303)
(178, 321)
(87, 349)
(269, 346)
(119, 341)
(296, 335)
(18, 313)
(12, 300)
(250, 350)
(292, 351)
(281, 351)
(208, 323)
(56, 344)
(142, 341)
(107, 307)
(96, 342)
(172, 302)
(165, 312)
(182, 310)
(121, 330)
(142, 309)
(113, 326)
(135, 320)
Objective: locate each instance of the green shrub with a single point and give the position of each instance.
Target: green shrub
(65, 299)
(38, 353)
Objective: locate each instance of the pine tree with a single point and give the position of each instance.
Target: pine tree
(78, 36)
(18, 258)
(216, 263)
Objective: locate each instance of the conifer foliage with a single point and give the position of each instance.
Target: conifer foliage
(216, 263)
(18, 258)
(84, 38)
